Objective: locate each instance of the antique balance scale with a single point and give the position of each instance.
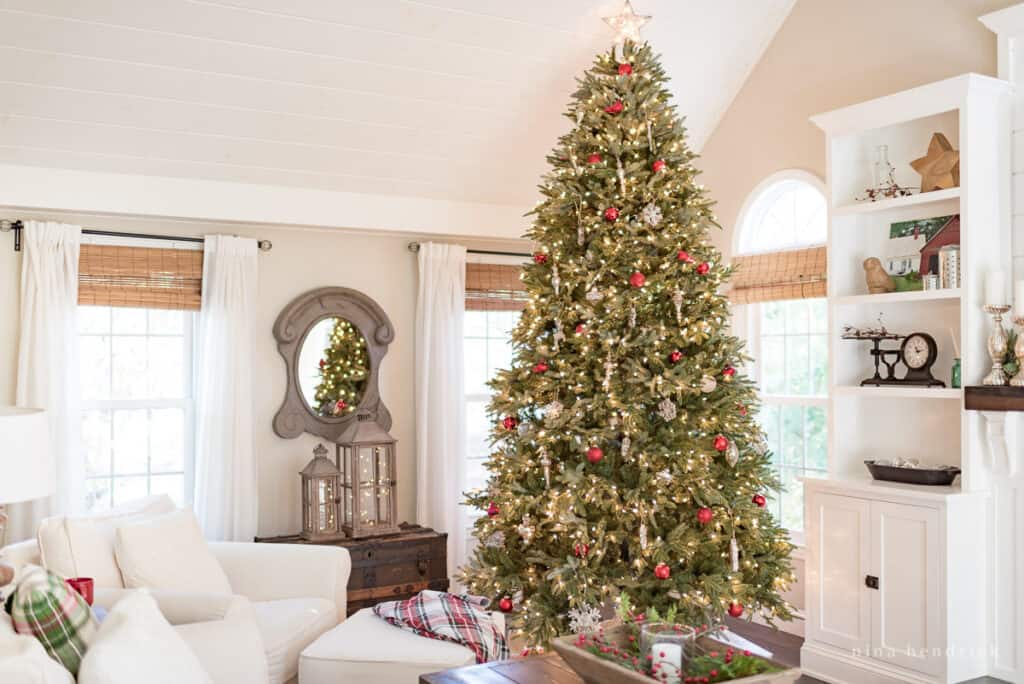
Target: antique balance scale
(918, 353)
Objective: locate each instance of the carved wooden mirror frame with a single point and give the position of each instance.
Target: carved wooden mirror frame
(290, 330)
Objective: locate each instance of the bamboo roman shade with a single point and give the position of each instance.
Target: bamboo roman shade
(494, 287)
(795, 274)
(110, 275)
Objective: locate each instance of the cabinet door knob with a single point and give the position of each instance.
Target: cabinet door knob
(871, 582)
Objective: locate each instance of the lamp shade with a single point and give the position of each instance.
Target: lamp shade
(26, 464)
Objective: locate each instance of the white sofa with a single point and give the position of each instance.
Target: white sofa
(285, 596)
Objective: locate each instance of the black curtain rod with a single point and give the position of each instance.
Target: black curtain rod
(415, 247)
(18, 226)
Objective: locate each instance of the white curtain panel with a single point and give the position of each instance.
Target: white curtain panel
(48, 375)
(226, 495)
(440, 412)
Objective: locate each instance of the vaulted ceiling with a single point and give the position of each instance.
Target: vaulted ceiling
(447, 99)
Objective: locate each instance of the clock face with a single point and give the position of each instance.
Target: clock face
(916, 352)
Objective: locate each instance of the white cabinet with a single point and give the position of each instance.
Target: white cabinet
(889, 596)
(905, 605)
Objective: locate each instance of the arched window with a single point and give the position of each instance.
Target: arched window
(788, 337)
(786, 211)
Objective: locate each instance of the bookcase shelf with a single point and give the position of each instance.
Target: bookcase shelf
(919, 199)
(898, 297)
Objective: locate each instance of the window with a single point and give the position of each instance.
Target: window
(788, 337)
(136, 403)
(488, 348)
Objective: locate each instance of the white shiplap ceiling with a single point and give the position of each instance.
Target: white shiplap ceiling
(457, 100)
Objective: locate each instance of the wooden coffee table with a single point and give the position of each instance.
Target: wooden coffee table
(545, 669)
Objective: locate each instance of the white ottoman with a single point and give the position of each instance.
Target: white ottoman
(365, 648)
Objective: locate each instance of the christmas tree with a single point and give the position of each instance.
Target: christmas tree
(626, 459)
(344, 370)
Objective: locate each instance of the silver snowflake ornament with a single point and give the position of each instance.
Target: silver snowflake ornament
(667, 410)
(495, 539)
(584, 620)
(594, 295)
(553, 410)
(651, 215)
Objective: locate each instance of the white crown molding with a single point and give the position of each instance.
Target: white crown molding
(39, 188)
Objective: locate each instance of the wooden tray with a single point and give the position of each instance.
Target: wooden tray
(594, 670)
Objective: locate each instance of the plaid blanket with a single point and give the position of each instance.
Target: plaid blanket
(459, 619)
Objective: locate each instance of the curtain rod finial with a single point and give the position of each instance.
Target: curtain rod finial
(265, 245)
(414, 246)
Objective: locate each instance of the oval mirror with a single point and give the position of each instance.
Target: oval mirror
(333, 368)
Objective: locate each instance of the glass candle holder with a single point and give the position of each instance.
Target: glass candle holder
(670, 647)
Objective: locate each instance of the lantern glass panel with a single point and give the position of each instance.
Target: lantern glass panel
(383, 471)
(384, 505)
(346, 464)
(367, 505)
(348, 506)
(366, 474)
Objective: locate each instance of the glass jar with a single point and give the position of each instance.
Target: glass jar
(955, 380)
(670, 647)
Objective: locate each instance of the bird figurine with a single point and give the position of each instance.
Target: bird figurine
(879, 282)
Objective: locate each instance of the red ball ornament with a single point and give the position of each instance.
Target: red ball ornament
(540, 258)
(728, 371)
(615, 107)
(505, 604)
(340, 405)
(540, 367)
(735, 609)
(581, 550)
(492, 510)
(703, 268)
(510, 422)
(676, 356)
(721, 443)
(742, 409)
(684, 256)
(759, 500)
(658, 166)
(322, 363)
(662, 571)
(625, 69)
(579, 328)
(594, 159)
(704, 515)
(638, 279)
(594, 454)
(611, 214)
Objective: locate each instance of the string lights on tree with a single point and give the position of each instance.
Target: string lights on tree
(622, 464)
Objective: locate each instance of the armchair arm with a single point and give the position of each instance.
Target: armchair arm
(183, 608)
(21, 553)
(267, 572)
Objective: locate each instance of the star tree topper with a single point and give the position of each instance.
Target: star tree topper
(627, 23)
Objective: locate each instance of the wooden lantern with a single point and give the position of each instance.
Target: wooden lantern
(321, 498)
(366, 458)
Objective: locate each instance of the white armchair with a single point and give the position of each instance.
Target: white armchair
(286, 595)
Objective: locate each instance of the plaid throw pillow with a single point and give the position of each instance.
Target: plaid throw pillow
(51, 611)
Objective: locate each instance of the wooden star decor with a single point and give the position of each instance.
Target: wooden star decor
(940, 168)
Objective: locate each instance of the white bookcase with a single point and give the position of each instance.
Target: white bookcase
(875, 522)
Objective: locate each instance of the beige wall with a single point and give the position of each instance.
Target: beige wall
(829, 54)
(379, 265)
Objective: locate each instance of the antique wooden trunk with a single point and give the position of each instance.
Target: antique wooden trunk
(394, 566)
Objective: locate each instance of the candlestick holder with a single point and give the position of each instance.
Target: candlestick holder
(1018, 351)
(997, 344)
